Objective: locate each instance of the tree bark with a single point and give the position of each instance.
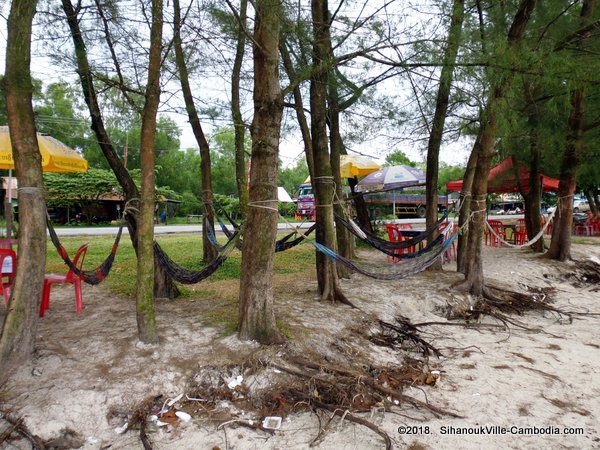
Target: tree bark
(163, 283)
(19, 328)
(146, 318)
(298, 108)
(474, 280)
(560, 245)
(533, 196)
(464, 222)
(591, 198)
(439, 119)
(257, 317)
(209, 252)
(323, 186)
(343, 236)
(241, 176)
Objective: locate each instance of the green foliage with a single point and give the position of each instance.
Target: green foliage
(398, 157)
(65, 189)
(287, 209)
(229, 204)
(185, 249)
(292, 177)
(448, 173)
(59, 113)
(190, 204)
(223, 161)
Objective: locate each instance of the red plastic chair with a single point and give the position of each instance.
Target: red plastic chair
(69, 278)
(8, 268)
(499, 229)
(393, 236)
(449, 254)
(595, 225)
(586, 228)
(520, 232)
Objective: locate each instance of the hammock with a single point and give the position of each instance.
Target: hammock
(383, 244)
(187, 276)
(280, 246)
(397, 271)
(95, 276)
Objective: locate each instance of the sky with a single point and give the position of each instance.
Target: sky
(291, 148)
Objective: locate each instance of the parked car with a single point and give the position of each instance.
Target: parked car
(579, 205)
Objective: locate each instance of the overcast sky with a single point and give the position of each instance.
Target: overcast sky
(291, 148)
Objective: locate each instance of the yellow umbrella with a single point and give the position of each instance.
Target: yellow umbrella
(56, 156)
(355, 166)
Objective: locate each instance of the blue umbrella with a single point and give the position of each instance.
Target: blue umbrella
(392, 177)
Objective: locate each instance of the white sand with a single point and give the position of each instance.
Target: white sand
(85, 366)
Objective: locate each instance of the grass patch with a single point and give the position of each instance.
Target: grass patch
(185, 249)
(222, 315)
(585, 240)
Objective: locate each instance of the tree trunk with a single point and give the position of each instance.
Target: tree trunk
(299, 108)
(323, 186)
(439, 119)
(474, 280)
(464, 215)
(533, 197)
(163, 283)
(241, 176)
(344, 239)
(146, 319)
(257, 317)
(209, 252)
(362, 214)
(560, 246)
(19, 328)
(589, 195)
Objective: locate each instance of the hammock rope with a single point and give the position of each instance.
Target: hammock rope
(280, 246)
(387, 246)
(187, 276)
(400, 270)
(536, 238)
(94, 276)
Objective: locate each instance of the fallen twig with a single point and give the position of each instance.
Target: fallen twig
(6, 433)
(345, 414)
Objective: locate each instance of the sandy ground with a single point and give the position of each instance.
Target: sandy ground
(513, 388)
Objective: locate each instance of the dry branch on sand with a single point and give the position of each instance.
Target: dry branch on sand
(345, 388)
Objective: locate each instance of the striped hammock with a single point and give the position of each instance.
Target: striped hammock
(396, 271)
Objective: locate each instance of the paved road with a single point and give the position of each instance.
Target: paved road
(166, 229)
(159, 229)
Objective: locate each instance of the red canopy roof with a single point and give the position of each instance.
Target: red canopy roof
(502, 179)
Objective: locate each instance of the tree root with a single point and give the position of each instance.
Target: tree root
(403, 331)
(366, 379)
(344, 414)
(139, 418)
